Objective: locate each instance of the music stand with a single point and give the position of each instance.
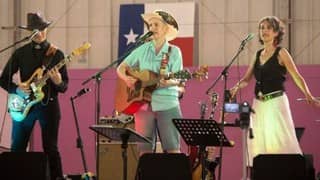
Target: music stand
(202, 133)
(124, 135)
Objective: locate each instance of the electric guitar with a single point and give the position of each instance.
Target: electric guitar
(196, 156)
(20, 103)
(129, 100)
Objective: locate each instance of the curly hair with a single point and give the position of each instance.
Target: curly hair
(277, 26)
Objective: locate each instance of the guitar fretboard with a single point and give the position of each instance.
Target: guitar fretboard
(42, 81)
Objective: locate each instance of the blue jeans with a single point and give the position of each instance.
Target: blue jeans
(49, 118)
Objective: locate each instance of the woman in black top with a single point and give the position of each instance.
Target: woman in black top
(39, 53)
(272, 123)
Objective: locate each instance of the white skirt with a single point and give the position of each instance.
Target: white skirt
(273, 128)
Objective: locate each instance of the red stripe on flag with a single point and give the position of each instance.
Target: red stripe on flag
(186, 46)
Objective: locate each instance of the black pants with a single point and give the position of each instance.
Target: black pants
(49, 117)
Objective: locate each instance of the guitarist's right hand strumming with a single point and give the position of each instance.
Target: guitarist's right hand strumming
(23, 88)
(122, 73)
(130, 81)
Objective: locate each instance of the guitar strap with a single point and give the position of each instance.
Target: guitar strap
(49, 55)
(46, 65)
(164, 62)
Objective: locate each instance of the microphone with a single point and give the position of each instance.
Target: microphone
(248, 38)
(33, 34)
(144, 37)
(81, 92)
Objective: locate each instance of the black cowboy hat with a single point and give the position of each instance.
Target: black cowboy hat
(36, 21)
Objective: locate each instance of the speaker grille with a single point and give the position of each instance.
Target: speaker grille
(24, 165)
(279, 167)
(159, 166)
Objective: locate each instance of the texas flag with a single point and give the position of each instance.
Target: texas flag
(131, 26)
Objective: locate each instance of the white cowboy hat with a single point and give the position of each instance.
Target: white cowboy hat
(165, 17)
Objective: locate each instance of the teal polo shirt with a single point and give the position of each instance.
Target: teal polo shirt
(145, 58)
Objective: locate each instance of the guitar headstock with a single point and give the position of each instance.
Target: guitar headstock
(80, 50)
(201, 73)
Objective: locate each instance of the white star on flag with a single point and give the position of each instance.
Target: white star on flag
(131, 37)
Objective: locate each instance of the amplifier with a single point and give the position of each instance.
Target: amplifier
(110, 153)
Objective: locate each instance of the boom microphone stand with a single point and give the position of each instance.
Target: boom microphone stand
(224, 74)
(79, 140)
(17, 42)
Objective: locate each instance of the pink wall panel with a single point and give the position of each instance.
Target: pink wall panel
(303, 114)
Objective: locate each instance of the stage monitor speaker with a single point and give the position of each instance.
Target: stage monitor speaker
(159, 166)
(279, 167)
(24, 166)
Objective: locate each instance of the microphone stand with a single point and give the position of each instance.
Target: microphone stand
(224, 74)
(15, 43)
(97, 78)
(79, 140)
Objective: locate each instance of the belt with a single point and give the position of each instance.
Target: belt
(269, 96)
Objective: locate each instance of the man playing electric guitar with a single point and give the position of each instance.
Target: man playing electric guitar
(37, 56)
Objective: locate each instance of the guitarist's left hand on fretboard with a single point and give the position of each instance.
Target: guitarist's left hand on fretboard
(168, 82)
(55, 76)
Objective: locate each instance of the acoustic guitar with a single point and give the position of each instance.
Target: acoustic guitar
(129, 100)
(20, 103)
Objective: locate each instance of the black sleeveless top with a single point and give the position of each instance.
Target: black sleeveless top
(270, 76)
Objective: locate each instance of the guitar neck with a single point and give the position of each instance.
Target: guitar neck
(42, 81)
